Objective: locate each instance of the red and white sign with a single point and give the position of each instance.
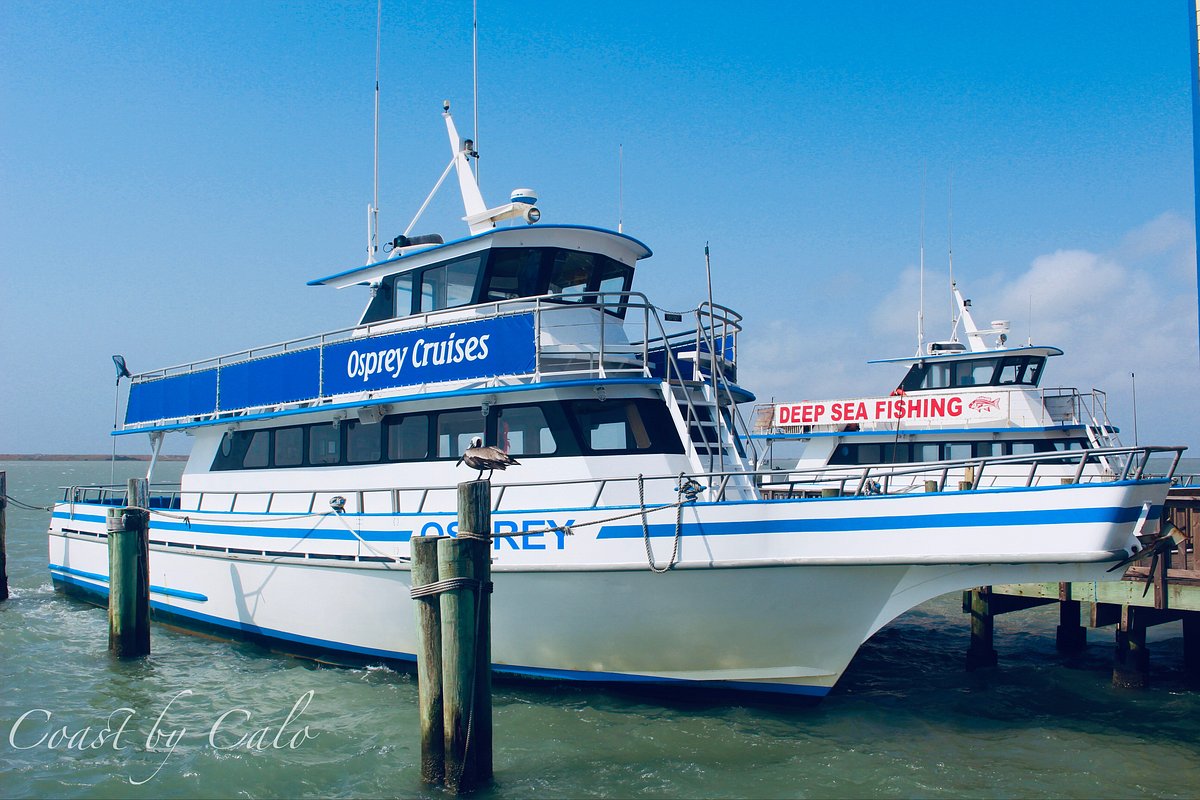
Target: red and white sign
(922, 409)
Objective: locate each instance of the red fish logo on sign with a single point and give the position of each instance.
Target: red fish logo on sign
(984, 404)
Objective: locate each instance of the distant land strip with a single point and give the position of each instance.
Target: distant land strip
(83, 457)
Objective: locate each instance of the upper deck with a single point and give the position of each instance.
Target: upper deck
(511, 306)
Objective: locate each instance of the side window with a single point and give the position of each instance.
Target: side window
(617, 426)
(363, 442)
(869, 454)
(938, 376)
(570, 274)
(324, 444)
(243, 450)
(956, 450)
(455, 429)
(402, 294)
(976, 373)
(450, 285)
(407, 438)
(524, 431)
(927, 451)
(289, 447)
(258, 451)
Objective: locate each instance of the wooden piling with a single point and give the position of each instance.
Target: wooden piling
(3, 536)
(980, 653)
(931, 486)
(1131, 659)
(129, 574)
(1070, 636)
(429, 660)
(475, 524)
(457, 559)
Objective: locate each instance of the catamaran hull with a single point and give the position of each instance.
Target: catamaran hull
(767, 596)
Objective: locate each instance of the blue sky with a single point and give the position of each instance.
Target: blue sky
(172, 175)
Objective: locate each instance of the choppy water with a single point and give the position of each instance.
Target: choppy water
(905, 721)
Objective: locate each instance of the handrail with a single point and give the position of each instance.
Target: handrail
(628, 350)
(814, 478)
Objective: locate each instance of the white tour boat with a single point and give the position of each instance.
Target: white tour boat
(632, 544)
(956, 405)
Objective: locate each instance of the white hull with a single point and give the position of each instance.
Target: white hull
(770, 596)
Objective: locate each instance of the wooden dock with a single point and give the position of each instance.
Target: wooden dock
(1165, 589)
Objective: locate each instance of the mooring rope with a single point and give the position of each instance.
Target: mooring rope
(690, 488)
(8, 498)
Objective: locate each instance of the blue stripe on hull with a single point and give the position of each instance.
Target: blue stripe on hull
(243, 630)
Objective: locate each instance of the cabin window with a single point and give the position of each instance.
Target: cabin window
(514, 272)
(571, 428)
(523, 431)
(363, 442)
(938, 376)
(984, 449)
(258, 451)
(976, 373)
(455, 430)
(1022, 370)
(614, 277)
(611, 425)
(926, 451)
(408, 438)
(289, 447)
(1022, 448)
(570, 274)
(957, 450)
(324, 444)
(450, 285)
(402, 294)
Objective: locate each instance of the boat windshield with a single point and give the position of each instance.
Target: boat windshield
(969, 373)
(503, 273)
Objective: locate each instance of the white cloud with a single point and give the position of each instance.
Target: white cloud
(1130, 311)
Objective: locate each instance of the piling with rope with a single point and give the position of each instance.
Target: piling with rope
(129, 573)
(451, 581)
(3, 536)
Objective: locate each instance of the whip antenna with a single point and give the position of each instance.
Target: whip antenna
(373, 209)
(921, 307)
(475, 76)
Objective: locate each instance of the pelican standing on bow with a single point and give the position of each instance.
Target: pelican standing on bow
(490, 458)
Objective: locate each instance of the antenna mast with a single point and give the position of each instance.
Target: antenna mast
(621, 187)
(921, 308)
(373, 209)
(475, 76)
(954, 310)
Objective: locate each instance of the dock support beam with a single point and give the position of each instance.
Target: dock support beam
(1131, 659)
(1191, 644)
(3, 536)
(980, 653)
(1070, 636)
(129, 574)
(451, 584)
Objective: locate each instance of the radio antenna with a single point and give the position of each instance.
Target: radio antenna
(921, 307)
(954, 310)
(620, 187)
(475, 76)
(373, 209)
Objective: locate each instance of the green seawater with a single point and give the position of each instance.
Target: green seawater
(205, 718)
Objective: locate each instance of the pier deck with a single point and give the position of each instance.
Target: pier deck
(1164, 590)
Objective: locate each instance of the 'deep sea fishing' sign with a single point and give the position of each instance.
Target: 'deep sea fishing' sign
(462, 351)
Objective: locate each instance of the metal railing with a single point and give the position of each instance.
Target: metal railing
(867, 480)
